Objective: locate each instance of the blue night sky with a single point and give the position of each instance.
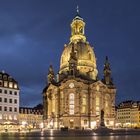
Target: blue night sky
(33, 34)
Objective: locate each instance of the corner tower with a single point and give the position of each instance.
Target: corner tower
(86, 60)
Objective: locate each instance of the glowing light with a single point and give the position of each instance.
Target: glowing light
(41, 125)
(51, 132)
(24, 123)
(93, 124)
(11, 85)
(111, 122)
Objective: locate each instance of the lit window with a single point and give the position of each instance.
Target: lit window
(0, 116)
(97, 101)
(10, 117)
(97, 113)
(71, 102)
(11, 85)
(84, 104)
(15, 85)
(84, 100)
(97, 108)
(5, 84)
(15, 117)
(5, 116)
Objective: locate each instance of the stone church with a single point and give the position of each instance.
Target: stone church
(75, 96)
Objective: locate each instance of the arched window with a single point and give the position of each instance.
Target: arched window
(71, 104)
(5, 77)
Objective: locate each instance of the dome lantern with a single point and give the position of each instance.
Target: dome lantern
(77, 28)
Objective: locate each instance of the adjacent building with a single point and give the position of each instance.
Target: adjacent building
(75, 96)
(9, 100)
(30, 117)
(128, 114)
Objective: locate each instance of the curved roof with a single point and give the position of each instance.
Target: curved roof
(9, 79)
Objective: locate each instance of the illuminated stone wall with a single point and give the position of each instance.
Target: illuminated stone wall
(77, 104)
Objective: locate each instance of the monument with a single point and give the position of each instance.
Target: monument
(102, 124)
(102, 129)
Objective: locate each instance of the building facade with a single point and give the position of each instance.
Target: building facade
(30, 118)
(9, 100)
(128, 114)
(75, 96)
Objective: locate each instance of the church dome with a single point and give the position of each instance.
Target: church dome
(86, 60)
(85, 57)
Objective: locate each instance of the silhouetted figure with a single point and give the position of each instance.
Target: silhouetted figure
(102, 124)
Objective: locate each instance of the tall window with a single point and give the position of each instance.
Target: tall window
(84, 104)
(53, 105)
(5, 83)
(15, 86)
(11, 85)
(97, 105)
(71, 103)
